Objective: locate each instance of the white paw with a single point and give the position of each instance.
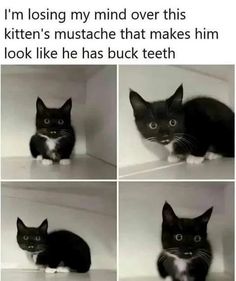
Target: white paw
(168, 278)
(62, 269)
(194, 159)
(64, 162)
(47, 162)
(39, 158)
(172, 158)
(212, 156)
(50, 270)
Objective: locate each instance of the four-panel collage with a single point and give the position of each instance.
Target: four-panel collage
(117, 172)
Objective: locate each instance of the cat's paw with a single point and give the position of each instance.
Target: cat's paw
(64, 162)
(191, 159)
(47, 162)
(39, 158)
(62, 269)
(172, 158)
(50, 270)
(212, 156)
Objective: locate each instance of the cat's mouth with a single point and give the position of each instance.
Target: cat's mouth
(165, 141)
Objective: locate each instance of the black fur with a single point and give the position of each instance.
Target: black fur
(54, 124)
(55, 247)
(198, 126)
(197, 253)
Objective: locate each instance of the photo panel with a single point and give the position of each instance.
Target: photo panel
(176, 122)
(47, 221)
(58, 114)
(155, 240)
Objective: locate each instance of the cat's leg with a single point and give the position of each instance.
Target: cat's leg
(212, 155)
(65, 149)
(33, 146)
(197, 154)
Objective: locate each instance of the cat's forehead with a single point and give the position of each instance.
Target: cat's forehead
(53, 112)
(160, 109)
(189, 225)
(31, 230)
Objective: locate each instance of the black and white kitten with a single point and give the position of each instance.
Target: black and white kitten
(201, 128)
(186, 254)
(54, 138)
(57, 251)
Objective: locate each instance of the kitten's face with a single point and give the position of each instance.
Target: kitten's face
(32, 239)
(185, 238)
(53, 122)
(161, 121)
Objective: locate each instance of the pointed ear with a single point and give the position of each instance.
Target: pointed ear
(20, 225)
(44, 226)
(204, 218)
(67, 105)
(40, 106)
(176, 99)
(168, 215)
(138, 103)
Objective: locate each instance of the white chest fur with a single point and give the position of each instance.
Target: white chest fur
(180, 264)
(169, 146)
(51, 143)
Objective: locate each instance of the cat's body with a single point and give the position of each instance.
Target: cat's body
(56, 250)
(186, 254)
(200, 128)
(54, 138)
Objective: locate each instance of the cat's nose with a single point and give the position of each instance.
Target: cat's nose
(30, 247)
(53, 132)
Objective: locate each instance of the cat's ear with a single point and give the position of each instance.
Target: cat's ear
(44, 226)
(205, 217)
(168, 215)
(20, 225)
(138, 103)
(176, 99)
(67, 105)
(40, 105)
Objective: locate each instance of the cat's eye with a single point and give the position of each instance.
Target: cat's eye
(172, 122)
(37, 238)
(60, 122)
(178, 237)
(46, 121)
(152, 125)
(197, 238)
(25, 237)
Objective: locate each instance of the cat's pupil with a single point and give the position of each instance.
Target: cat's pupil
(46, 121)
(152, 125)
(197, 238)
(172, 122)
(179, 237)
(60, 122)
(25, 237)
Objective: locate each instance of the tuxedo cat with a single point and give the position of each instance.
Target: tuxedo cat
(186, 254)
(201, 128)
(57, 251)
(54, 138)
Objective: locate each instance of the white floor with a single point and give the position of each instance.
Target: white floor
(82, 167)
(215, 169)
(24, 275)
(212, 277)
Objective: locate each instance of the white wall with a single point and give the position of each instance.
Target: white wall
(155, 83)
(140, 222)
(21, 85)
(88, 209)
(101, 114)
